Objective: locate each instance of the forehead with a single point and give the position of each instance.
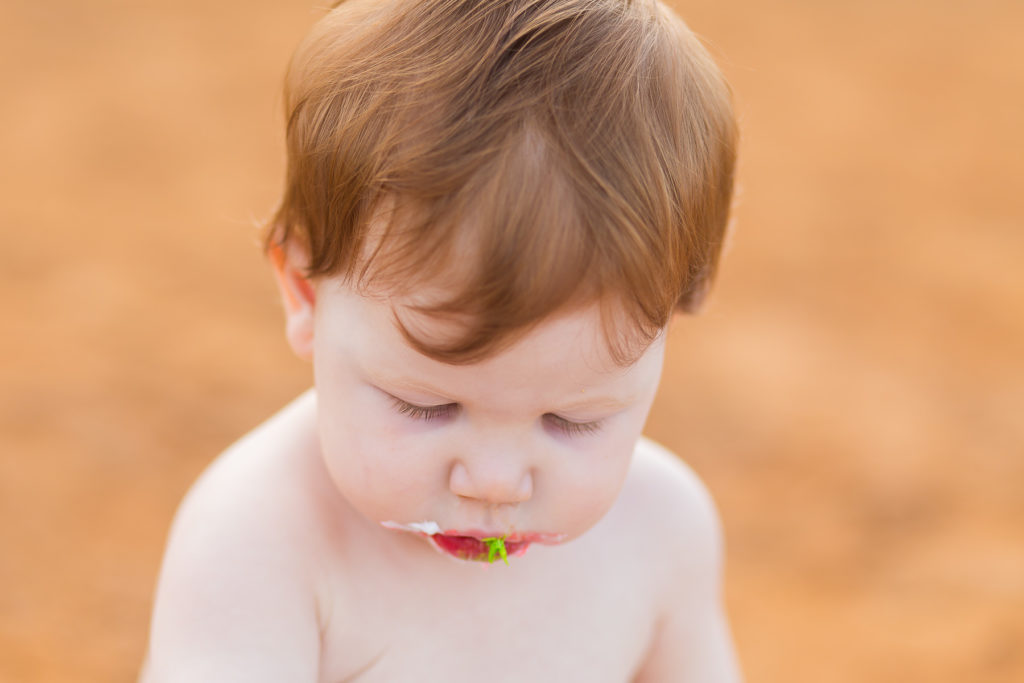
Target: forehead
(565, 356)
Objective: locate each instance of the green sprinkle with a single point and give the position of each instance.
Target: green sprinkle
(496, 547)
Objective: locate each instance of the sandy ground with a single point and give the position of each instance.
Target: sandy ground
(852, 396)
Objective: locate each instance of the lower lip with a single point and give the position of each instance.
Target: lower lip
(471, 548)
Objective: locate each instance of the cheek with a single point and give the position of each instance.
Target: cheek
(597, 475)
(378, 466)
(591, 486)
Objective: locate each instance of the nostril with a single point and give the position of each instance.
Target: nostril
(459, 482)
(525, 490)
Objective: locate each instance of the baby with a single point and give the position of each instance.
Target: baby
(492, 210)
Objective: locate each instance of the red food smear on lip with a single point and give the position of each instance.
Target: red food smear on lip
(470, 548)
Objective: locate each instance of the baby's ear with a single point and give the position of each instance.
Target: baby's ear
(298, 295)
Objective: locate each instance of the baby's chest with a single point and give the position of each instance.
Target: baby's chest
(573, 631)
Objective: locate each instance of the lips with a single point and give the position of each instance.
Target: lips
(476, 549)
(474, 544)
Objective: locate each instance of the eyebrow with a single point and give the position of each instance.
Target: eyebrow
(587, 402)
(406, 384)
(609, 402)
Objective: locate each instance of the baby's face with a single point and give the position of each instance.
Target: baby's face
(533, 443)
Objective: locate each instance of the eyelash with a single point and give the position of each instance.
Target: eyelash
(573, 428)
(448, 409)
(425, 412)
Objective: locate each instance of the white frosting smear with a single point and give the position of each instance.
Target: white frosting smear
(428, 528)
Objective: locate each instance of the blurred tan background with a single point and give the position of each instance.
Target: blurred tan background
(852, 396)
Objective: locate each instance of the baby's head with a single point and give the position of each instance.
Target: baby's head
(485, 178)
(527, 156)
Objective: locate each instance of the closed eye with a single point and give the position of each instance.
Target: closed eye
(424, 412)
(572, 428)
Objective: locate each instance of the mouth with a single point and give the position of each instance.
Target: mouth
(486, 549)
(474, 545)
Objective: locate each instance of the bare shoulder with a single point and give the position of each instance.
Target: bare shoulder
(660, 470)
(256, 491)
(674, 504)
(238, 571)
(692, 640)
(267, 466)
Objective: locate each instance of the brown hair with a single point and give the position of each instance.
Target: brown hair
(550, 152)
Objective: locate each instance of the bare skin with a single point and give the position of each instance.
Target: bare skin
(283, 564)
(270, 575)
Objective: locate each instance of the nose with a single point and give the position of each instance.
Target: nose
(494, 480)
